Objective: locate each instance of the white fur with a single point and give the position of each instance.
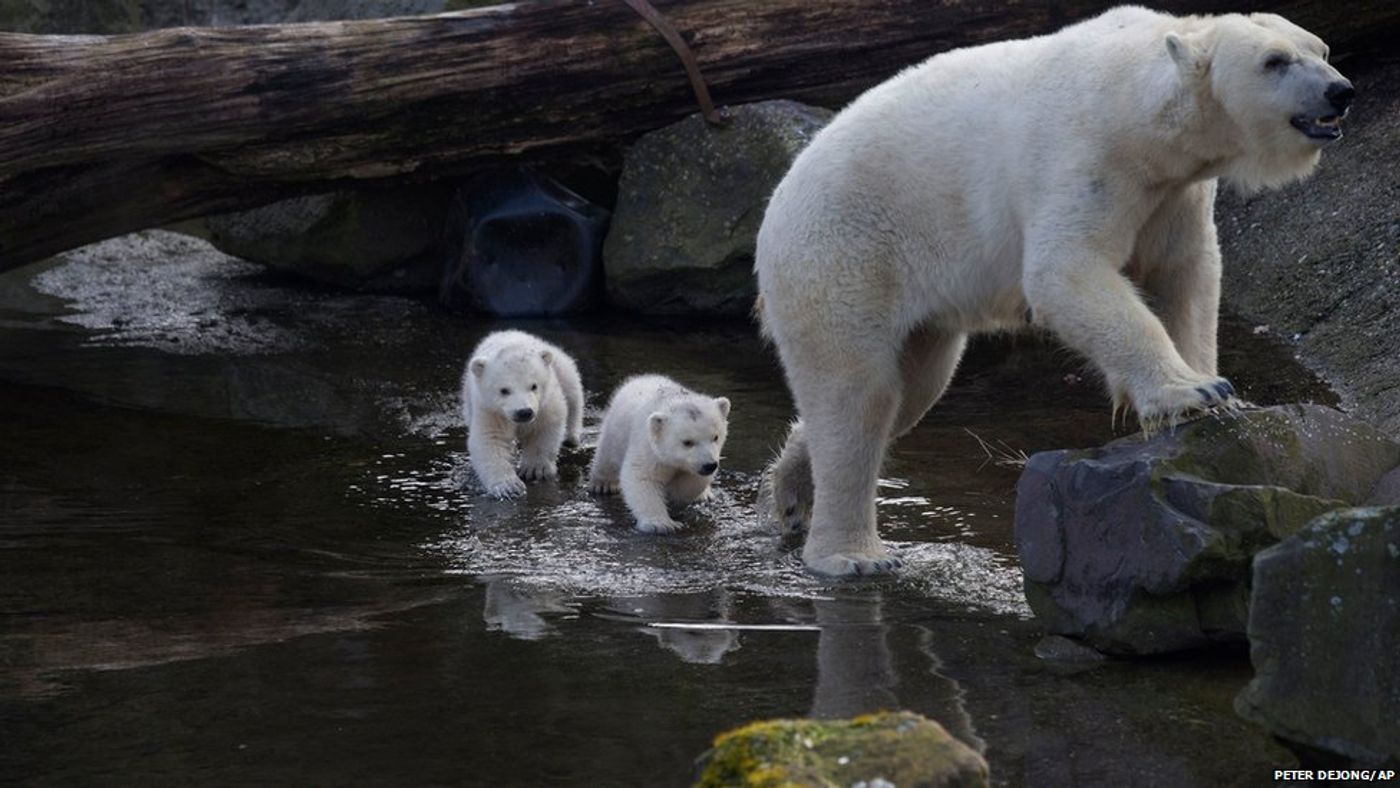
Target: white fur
(510, 371)
(642, 448)
(1053, 179)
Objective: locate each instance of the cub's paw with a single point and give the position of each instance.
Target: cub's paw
(853, 564)
(659, 527)
(538, 471)
(602, 486)
(510, 488)
(785, 497)
(1171, 404)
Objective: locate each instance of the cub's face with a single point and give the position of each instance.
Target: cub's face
(513, 383)
(691, 434)
(1273, 79)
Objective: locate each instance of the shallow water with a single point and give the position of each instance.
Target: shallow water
(238, 544)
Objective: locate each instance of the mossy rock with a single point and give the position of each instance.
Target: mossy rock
(900, 748)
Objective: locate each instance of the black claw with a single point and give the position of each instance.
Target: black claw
(1226, 388)
(1204, 392)
(895, 563)
(856, 569)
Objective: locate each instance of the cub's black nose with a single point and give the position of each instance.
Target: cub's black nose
(708, 468)
(1340, 95)
(524, 414)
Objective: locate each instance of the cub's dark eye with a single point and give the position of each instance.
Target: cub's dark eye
(1277, 62)
(714, 439)
(689, 444)
(534, 387)
(505, 392)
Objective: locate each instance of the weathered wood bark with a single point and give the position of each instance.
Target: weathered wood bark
(104, 135)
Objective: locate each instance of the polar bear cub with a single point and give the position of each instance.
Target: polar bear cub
(517, 388)
(660, 444)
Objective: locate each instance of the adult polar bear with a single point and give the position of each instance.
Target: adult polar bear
(1049, 180)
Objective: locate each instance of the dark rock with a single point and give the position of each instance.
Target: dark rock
(369, 239)
(1145, 546)
(1324, 633)
(1319, 261)
(888, 748)
(689, 205)
(1387, 490)
(520, 244)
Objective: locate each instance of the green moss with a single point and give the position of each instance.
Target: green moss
(901, 747)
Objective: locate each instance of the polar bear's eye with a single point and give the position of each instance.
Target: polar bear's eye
(534, 387)
(505, 392)
(1276, 61)
(688, 443)
(715, 439)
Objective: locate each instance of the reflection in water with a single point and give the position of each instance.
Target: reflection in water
(516, 611)
(698, 645)
(854, 673)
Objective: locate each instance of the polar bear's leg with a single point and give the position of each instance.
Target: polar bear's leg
(489, 447)
(1080, 295)
(645, 496)
(606, 471)
(785, 494)
(926, 365)
(848, 394)
(570, 384)
(1181, 254)
(540, 441)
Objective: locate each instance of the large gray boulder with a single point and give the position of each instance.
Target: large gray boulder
(1324, 634)
(689, 205)
(371, 239)
(1144, 546)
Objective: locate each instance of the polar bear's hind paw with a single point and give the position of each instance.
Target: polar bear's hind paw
(854, 564)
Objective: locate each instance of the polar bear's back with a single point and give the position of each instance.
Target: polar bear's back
(639, 396)
(937, 171)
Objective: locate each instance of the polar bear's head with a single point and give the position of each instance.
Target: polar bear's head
(690, 433)
(1272, 80)
(513, 381)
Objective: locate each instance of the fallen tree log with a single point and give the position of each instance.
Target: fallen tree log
(105, 135)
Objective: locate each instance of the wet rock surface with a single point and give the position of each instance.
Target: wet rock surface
(368, 239)
(689, 205)
(1319, 261)
(883, 749)
(1324, 634)
(1145, 546)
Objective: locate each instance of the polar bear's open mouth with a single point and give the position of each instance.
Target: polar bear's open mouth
(1327, 127)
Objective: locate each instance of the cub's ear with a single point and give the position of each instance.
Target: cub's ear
(547, 356)
(478, 366)
(1189, 54)
(657, 423)
(723, 404)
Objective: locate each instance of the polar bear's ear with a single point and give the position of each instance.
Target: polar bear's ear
(547, 356)
(1188, 54)
(723, 404)
(657, 423)
(478, 366)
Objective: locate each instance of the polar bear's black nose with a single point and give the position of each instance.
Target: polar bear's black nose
(1340, 95)
(524, 414)
(708, 468)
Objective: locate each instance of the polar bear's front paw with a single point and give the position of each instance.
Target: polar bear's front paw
(659, 527)
(510, 488)
(538, 471)
(1169, 404)
(853, 564)
(603, 486)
